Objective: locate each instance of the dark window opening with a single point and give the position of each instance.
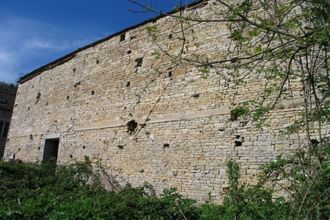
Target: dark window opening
(51, 150)
(166, 146)
(2, 146)
(5, 130)
(128, 84)
(92, 93)
(122, 37)
(1, 127)
(129, 52)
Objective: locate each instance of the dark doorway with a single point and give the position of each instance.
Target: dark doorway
(51, 150)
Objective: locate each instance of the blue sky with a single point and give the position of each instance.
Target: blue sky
(36, 32)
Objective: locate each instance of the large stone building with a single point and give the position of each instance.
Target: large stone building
(120, 100)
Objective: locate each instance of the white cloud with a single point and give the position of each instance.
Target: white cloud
(40, 44)
(7, 67)
(23, 41)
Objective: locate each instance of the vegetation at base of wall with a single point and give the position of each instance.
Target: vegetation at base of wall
(41, 191)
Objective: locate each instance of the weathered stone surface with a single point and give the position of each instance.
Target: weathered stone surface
(183, 140)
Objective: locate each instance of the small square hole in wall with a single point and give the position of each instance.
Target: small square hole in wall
(314, 142)
(38, 97)
(225, 189)
(131, 126)
(238, 141)
(138, 62)
(129, 52)
(195, 95)
(93, 92)
(77, 84)
(97, 61)
(120, 147)
(122, 37)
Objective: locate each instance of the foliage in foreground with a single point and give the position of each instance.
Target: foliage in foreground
(32, 191)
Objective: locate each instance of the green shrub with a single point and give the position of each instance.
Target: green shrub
(32, 191)
(43, 191)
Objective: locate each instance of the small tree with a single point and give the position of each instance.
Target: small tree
(10, 87)
(283, 41)
(286, 43)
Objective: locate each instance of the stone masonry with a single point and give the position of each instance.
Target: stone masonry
(122, 102)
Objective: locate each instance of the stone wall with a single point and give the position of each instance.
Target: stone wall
(184, 133)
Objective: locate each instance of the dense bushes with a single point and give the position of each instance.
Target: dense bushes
(31, 191)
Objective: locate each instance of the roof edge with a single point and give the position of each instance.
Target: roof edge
(71, 55)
